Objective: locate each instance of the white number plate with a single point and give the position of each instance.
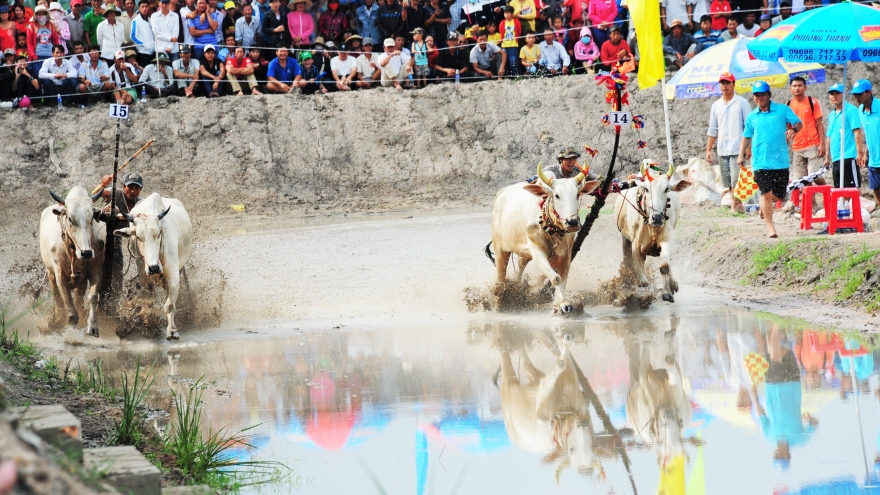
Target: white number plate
(623, 119)
(119, 111)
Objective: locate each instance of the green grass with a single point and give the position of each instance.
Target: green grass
(131, 425)
(850, 274)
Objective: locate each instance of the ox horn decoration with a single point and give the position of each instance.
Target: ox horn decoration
(542, 176)
(162, 215)
(56, 197)
(670, 171)
(642, 169)
(580, 177)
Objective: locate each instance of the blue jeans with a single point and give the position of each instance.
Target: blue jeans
(513, 60)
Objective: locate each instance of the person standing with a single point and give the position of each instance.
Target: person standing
(869, 117)
(142, 34)
(727, 119)
(808, 146)
(110, 33)
(75, 22)
(852, 139)
(166, 30)
(768, 130)
(365, 20)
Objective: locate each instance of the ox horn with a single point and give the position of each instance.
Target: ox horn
(162, 215)
(642, 168)
(542, 176)
(56, 197)
(97, 195)
(580, 177)
(671, 170)
(127, 217)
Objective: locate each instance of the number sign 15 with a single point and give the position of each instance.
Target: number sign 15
(119, 111)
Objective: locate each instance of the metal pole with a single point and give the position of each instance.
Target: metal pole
(842, 128)
(852, 373)
(666, 118)
(110, 241)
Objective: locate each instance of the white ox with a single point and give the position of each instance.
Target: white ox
(72, 248)
(540, 230)
(549, 414)
(646, 217)
(163, 236)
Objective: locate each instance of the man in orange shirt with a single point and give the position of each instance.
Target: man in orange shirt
(809, 147)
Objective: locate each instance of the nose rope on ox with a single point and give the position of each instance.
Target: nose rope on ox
(550, 221)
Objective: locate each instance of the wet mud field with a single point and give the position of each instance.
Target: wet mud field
(351, 345)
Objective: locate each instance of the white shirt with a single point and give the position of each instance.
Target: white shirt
(396, 62)
(142, 35)
(726, 122)
(193, 68)
(111, 37)
(50, 68)
(155, 78)
(343, 67)
(677, 9)
(93, 74)
(363, 64)
(701, 8)
(748, 33)
(77, 63)
(187, 36)
(165, 27)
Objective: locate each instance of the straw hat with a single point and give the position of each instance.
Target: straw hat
(292, 4)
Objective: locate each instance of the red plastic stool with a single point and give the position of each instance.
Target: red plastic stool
(807, 218)
(855, 207)
(796, 197)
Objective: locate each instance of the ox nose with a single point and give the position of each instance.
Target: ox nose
(657, 219)
(573, 222)
(86, 254)
(155, 269)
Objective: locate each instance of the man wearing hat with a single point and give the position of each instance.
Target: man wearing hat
(7, 75)
(125, 200)
(368, 72)
(186, 71)
(869, 117)
(166, 30)
(393, 65)
(678, 46)
(142, 34)
(454, 58)
(768, 130)
(123, 78)
(131, 59)
(213, 72)
(307, 82)
(110, 34)
(159, 77)
(853, 140)
(726, 120)
(567, 166)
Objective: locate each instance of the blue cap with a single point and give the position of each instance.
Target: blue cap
(836, 87)
(861, 86)
(760, 87)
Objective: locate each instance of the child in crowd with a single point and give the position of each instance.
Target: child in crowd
(494, 35)
(21, 44)
(530, 54)
(433, 55)
(720, 10)
(420, 54)
(559, 31)
(765, 24)
(510, 29)
(585, 52)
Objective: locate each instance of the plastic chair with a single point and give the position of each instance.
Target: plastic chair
(796, 197)
(855, 222)
(807, 217)
(833, 343)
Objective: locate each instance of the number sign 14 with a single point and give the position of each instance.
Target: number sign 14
(619, 118)
(119, 111)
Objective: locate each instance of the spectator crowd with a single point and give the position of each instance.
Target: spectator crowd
(156, 48)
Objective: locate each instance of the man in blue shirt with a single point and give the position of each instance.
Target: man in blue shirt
(869, 117)
(852, 141)
(706, 37)
(282, 72)
(768, 129)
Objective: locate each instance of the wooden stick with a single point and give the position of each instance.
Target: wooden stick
(151, 141)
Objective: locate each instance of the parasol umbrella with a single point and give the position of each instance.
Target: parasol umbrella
(699, 77)
(834, 34)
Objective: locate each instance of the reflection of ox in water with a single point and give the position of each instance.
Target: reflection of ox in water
(646, 217)
(72, 248)
(163, 238)
(540, 230)
(657, 406)
(549, 413)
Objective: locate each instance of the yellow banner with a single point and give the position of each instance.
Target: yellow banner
(646, 19)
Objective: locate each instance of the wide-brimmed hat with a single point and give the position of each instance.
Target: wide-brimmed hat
(352, 38)
(569, 152)
(676, 22)
(111, 7)
(292, 4)
(55, 6)
(319, 41)
(162, 57)
(40, 8)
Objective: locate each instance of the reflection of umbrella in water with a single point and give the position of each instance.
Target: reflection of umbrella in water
(470, 433)
(242, 452)
(330, 430)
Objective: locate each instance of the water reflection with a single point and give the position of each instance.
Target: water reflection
(725, 403)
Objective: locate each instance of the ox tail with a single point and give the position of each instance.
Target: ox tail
(488, 252)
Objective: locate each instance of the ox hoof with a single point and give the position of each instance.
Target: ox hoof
(73, 320)
(93, 332)
(172, 336)
(668, 297)
(563, 309)
(673, 286)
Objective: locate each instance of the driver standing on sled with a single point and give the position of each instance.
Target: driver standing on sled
(567, 166)
(126, 198)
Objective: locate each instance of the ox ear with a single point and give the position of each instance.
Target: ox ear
(96, 213)
(538, 189)
(59, 210)
(680, 186)
(124, 232)
(589, 186)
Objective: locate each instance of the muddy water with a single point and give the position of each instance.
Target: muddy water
(528, 404)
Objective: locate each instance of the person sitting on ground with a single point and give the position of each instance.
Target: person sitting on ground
(186, 71)
(343, 69)
(678, 46)
(212, 72)
(23, 84)
(586, 52)
(57, 75)
(239, 69)
(615, 50)
(393, 65)
(123, 78)
(748, 28)
(399, 42)
(764, 24)
(487, 59)
(368, 72)
(721, 11)
(706, 37)
(731, 33)
(131, 57)
(158, 77)
(79, 57)
(455, 58)
(7, 75)
(433, 56)
(530, 54)
(94, 76)
(228, 49)
(553, 55)
(283, 71)
(308, 81)
(261, 66)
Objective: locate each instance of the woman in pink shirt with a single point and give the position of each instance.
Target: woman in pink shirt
(300, 23)
(602, 14)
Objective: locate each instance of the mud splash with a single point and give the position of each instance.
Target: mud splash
(513, 296)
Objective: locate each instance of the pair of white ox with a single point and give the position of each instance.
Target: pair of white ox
(72, 247)
(544, 231)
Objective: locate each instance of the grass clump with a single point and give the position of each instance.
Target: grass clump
(131, 425)
(767, 256)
